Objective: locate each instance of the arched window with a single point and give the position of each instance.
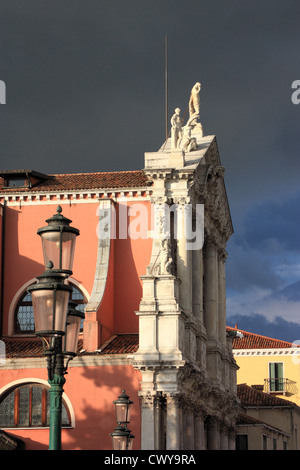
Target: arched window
(24, 318)
(27, 406)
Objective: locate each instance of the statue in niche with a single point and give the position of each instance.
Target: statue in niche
(165, 257)
(165, 246)
(188, 143)
(176, 128)
(194, 103)
(164, 261)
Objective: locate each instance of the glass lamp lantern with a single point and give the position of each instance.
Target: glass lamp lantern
(58, 242)
(73, 323)
(122, 439)
(123, 408)
(50, 297)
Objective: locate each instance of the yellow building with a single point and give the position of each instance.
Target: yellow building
(268, 381)
(273, 363)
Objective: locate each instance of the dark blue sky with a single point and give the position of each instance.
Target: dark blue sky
(85, 92)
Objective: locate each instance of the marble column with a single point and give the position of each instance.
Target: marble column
(197, 285)
(222, 299)
(148, 440)
(211, 290)
(232, 440)
(199, 432)
(159, 415)
(184, 258)
(224, 438)
(173, 424)
(189, 438)
(213, 434)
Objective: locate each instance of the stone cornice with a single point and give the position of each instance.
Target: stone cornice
(79, 361)
(82, 196)
(266, 352)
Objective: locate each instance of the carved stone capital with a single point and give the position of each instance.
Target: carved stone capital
(147, 399)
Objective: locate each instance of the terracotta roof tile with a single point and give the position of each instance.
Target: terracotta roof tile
(128, 344)
(86, 181)
(22, 347)
(122, 344)
(10, 442)
(33, 347)
(246, 420)
(18, 347)
(255, 341)
(251, 396)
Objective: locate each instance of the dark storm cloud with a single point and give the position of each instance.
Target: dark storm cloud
(85, 81)
(85, 92)
(248, 268)
(290, 292)
(273, 226)
(265, 252)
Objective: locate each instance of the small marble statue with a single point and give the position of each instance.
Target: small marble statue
(166, 260)
(194, 103)
(187, 142)
(176, 129)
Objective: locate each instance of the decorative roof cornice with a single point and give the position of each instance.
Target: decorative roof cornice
(253, 341)
(82, 182)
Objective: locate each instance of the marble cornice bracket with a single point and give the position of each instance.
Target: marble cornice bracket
(102, 263)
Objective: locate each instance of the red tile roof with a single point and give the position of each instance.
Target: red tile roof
(251, 396)
(18, 347)
(128, 344)
(122, 344)
(86, 181)
(255, 341)
(32, 347)
(246, 420)
(22, 347)
(10, 442)
(243, 419)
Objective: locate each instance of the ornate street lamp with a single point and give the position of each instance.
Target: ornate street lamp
(56, 320)
(50, 297)
(123, 408)
(122, 439)
(72, 331)
(58, 241)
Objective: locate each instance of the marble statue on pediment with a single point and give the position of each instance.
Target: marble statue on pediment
(187, 143)
(176, 128)
(194, 103)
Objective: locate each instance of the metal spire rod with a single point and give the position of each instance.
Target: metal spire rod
(166, 84)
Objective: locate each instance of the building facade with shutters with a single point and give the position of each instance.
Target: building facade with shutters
(271, 363)
(267, 422)
(149, 274)
(268, 387)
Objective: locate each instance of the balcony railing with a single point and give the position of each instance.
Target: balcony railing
(280, 386)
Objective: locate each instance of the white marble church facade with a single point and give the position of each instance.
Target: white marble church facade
(188, 386)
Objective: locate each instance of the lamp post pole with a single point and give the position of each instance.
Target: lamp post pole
(56, 381)
(55, 318)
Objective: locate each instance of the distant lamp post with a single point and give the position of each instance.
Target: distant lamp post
(122, 439)
(56, 319)
(72, 331)
(123, 408)
(58, 241)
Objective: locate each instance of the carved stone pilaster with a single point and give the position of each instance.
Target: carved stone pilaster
(183, 357)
